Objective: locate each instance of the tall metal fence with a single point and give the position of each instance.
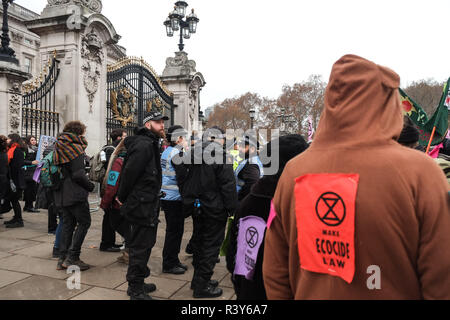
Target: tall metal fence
(39, 116)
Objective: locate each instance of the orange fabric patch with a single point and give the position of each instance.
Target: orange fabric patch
(325, 211)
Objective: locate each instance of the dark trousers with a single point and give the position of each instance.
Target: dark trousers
(76, 223)
(140, 244)
(53, 212)
(173, 211)
(29, 195)
(120, 224)
(207, 239)
(108, 233)
(114, 222)
(14, 198)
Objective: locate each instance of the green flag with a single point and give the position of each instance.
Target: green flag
(413, 110)
(439, 120)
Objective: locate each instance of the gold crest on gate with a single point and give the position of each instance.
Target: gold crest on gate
(123, 105)
(155, 105)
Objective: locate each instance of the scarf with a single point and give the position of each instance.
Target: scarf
(11, 152)
(68, 147)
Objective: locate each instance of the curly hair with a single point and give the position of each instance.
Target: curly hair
(3, 143)
(75, 127)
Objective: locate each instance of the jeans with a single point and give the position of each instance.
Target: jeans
(58, 232)
(77, 221)
(173, 211)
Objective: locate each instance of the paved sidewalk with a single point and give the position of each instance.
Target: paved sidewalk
(28, 272)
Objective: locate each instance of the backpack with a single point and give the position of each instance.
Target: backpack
(50, 175)
(97, 162)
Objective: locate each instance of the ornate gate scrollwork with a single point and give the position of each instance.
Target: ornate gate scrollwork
(134, 89)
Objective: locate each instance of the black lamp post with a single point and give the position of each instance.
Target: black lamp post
(175, 22)
(252, 117)
(6, 53)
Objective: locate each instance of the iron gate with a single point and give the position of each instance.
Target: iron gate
(134, 89)
(39, 116)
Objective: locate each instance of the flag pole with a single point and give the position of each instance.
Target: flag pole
(431, 140)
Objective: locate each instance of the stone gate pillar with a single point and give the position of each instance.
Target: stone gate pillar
(80, 35)
(181, 78)
(11, 78)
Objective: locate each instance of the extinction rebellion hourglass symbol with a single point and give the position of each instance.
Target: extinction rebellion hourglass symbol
(252, 237)
(330, 209)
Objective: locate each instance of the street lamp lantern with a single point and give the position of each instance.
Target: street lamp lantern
(175, 22)
(181, 8)
(175, 19)
(169, 29)
(252, 113)
(186, 33)
(192, 20)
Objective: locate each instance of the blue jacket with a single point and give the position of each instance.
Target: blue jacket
(254, 160)
(169, 178)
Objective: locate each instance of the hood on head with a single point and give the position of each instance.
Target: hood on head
(362, 105)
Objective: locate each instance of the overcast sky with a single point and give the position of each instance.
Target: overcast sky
(260, 45)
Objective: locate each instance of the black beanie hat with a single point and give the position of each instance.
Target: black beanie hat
(410, 133)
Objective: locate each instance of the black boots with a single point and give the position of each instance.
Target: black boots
(148, 288)
(207, 292)
(75, 262)
(14, 224)
(212, 283)
(175, 270)
(142, 294)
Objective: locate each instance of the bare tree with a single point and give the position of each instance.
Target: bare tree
(427, 93)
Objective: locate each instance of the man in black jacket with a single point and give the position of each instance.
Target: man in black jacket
(139, 194)
(208, 189)
(71, 194)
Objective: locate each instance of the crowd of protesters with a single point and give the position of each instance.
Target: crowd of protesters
(358, 196)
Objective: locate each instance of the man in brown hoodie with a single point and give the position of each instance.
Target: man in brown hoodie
(357, 215)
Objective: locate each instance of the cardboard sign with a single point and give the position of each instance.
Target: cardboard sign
(251, 236)
(325, 213)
